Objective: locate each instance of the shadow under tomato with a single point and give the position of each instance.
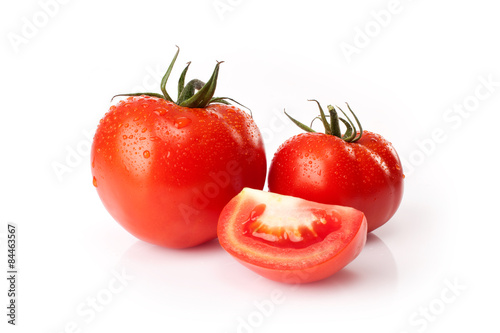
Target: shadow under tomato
(142, 252)
(158, 265)
(343, 279)
(371, 280)
(373, 274)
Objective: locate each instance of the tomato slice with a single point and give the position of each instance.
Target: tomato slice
(289, 239)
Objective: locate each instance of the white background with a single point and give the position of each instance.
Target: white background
(432, 268)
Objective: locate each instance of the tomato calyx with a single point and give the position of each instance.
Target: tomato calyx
(351, 133)
(194, 94)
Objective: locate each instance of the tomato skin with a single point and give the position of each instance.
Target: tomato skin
(165, 172)
(304, 265)
(366, 174)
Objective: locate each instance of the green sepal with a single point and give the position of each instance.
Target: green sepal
(349, 133)
(164, 80)
(180, 85)
(140, 94)
(224, 100)
(358, 122)
(322, 117)
(299, 124)
(220, 100)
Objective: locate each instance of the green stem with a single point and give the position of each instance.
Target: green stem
(334, 122)
(202, 98)
(189, 90)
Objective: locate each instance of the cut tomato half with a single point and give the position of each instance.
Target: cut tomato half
(289, 239)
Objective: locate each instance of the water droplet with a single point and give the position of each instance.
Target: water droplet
(94, 181)
(160, 111)
(146, 154)
(144, 130)
(182, 122)
(125, 137)
(142, 138)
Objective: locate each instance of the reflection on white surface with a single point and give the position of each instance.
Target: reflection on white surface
(208, 275)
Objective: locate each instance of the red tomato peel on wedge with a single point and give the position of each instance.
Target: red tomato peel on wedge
(288, 239)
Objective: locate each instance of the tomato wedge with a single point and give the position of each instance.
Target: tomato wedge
(288, 239)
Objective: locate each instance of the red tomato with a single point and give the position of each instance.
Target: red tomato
(359, 169)
(289, 239)
(165, 171)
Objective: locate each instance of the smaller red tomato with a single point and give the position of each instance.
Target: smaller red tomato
(288, 239)
(357, 169)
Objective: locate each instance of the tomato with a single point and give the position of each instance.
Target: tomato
(359, 169)
(165, 170)
(288, 239)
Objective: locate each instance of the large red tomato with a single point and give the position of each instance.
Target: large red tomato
(165, 170)
(357, 169)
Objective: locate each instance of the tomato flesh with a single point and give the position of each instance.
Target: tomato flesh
(309, 227)
(289, 239)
